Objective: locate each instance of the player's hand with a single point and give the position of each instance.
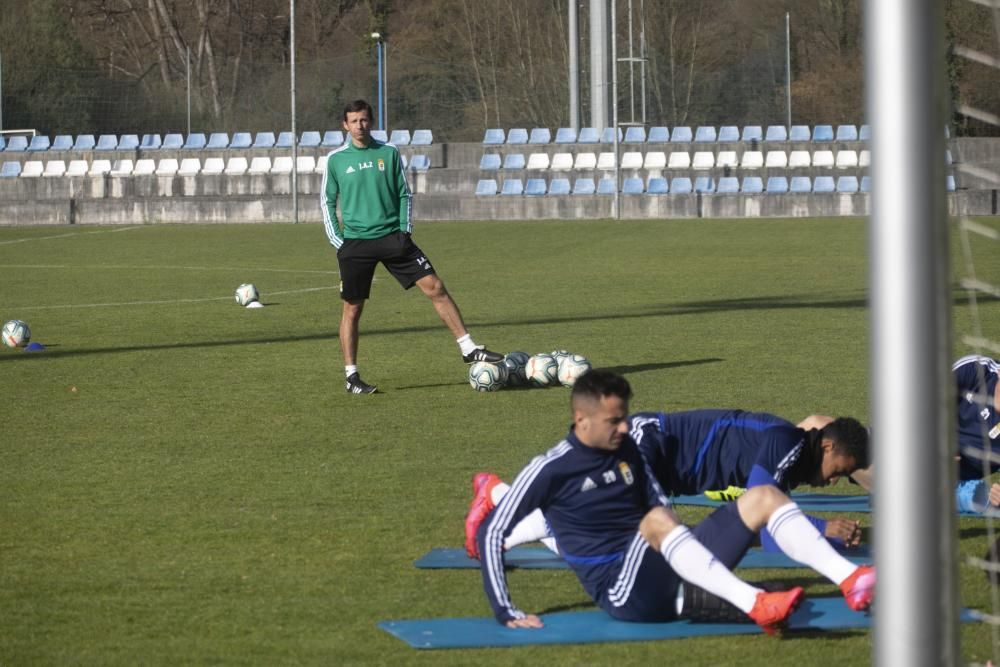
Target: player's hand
(847, 530)
(995, 495)
(529, 621)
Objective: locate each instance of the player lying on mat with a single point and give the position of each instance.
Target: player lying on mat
(615, 528)
(700, 450)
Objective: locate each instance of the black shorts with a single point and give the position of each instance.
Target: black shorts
(397, 252)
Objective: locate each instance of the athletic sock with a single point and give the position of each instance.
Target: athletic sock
(693, 562)
(800, 540)
(531, 528)
(498, 492)
(466, 344)
(350, 370)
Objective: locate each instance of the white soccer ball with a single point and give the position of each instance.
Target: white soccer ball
(246, 294)
(572, 367)
(559, 355)
(515, 362)
(542, 370)
(484, 376)
(16, 333)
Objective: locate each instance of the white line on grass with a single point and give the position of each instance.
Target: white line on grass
(165, 302)
(68, 234)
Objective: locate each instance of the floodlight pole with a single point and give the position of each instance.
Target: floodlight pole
(379, 65)
(913, 426)
(295, 136)
(614, 106)
(188, 64)
(788, 69)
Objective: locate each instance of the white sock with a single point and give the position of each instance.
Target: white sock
(531, 528)
(800, 540)
(693, 562)
(498, 492)
(350, 370)
(466, 344)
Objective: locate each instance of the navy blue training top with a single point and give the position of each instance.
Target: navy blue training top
(976, 381)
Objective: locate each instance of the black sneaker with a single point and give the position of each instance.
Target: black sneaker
(482, 354)
(355, 385)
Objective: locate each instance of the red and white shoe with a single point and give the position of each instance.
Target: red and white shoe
(771, 610)
(480, 507)
(859, 588)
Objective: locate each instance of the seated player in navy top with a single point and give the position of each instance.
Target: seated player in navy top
(614, 526)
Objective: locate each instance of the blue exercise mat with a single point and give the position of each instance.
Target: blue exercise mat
(540, 558)
(819, 502)
(588, 627)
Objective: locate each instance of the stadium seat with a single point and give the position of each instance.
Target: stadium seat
(799, 159)
(121, 167)
(866, 184)
(128, 142)
(728, 185)
(380, 136)
(865, 133)
(776, 133)
(752, 185)
(824, 184)
(565, 135)
(144, 167)
(106, 142)
(561, 162)
(54, 168)
(422, 138)
(10, 170)
(62, 142)
(259, 165)
(167, 167)
(846, 159)
(705, 134)
(847, 133)
(606, 160)
(535, 187)
(681, 185)
(679, 160)
(635, 135)
(99, 168)
(512, 187)
(218, 140)
(305, 164)
(39, 142)
(399, 137)
(703, 184)
(729, 134)
(702, 160)
(150, 142)
(657, 185)
(539, 135)
(213, 165)
(822, 133)
(559, 186)
(486, 187)
(777, 185)
(538, 161)
(284, 140)
(77, 168)
(776, 160)
(281, 165)
(403, 161)
(3, 143)
(513, 161)
(681, 134)
(632, 186)
(32, 169)
(608, 135)
(331, 139)
(420, 163)
(847, 184)
(753, 133)
(799, 133)
(947, 157)
(191, 166)
(752, 160)
(606, 186)
(266, 139)
(173, 141)
(588, 135)
(517, 136)
(310, 139)
(864, 158)
(321, 164)
(631, 160)
(17, 143)
(195, 141)
(823, 159)
(489, 162)
(584, 186)
(724, 159)
(585, 161)
(949, 183)
(800, 184)
(655, 160)
(237, 166)
(658, 135)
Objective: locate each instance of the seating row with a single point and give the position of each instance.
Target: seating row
(198, 140)
(185, 167)
(680, 134)
(680, 185)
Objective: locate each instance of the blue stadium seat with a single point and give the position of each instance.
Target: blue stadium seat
(399, 137)
(777, 185)
(658, 134)
(512, 186)
(681, 134)
(284, 140)
(681, 185)
(847, 184)
(39, 142)
(420, 163)
(310, 139)
(218, 140)
(559, 186)
(517, 136)
(950, 183)
(588, 135)
(486, 187)
(635, 135)
(266, 139)
(62, 142)
(195, 141)
(539, 135)
(865, 133)
(752, 185)
(106, 142)
(608, 135)
(17, 143)
(753, 133)
(800, 184)
(333, 138)
(824, 184)
(728, 185)
(380, 136)
(584, 186)
(729, 133)
(866, 184)
(422, 138)
(10, 170)
(606, 186)
(513, 161)
(799, 133)
(705, 134)
(632, 186)
(657, 185)
(173, 141)
(151, 142)
(776, 133)
(565, 135)
(822, 133)
(703, 184)
(847, 133)
(489, 162)
(534, 187)
(128, 142)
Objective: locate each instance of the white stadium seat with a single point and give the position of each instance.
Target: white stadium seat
(865, 158)
(213, 165)
(606, 160)
(561, 162)
(585, 161)
(77, 168)
(260, 165)
(725, 159)
(847, 159)
(679, 160)
(305, 164)
(703, 160)
(55, 168)
(191, 166)
(776, 160)
(32, 168)
(655, 160)
(797, 159)
(632, 160)
(167, 167)
(823, 159)
(282, 165)
(144, 167)
(99, 168)
(752, 160)
(538, 161)
(123, 168)
(236, 166)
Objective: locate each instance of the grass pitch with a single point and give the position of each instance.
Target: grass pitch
(186, 481)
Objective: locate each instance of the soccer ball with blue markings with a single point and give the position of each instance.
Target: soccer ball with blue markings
(16, 333)
(484, 376)
(542, 370)
(246, 294)
(515, 363)
(571, 367)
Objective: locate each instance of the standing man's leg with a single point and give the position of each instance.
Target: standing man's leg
(357, 268)
(447, 310)
(349, 319)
